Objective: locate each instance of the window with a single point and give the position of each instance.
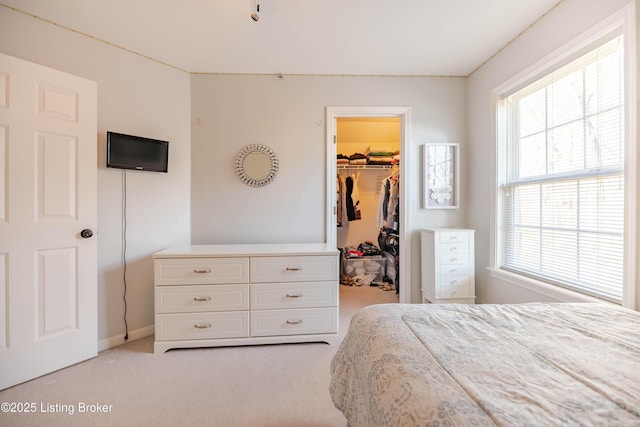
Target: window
(561, 175)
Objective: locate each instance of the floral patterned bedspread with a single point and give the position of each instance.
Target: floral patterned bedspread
(489, 365)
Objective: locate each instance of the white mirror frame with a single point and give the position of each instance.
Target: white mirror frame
(245, 176)
(441, 169)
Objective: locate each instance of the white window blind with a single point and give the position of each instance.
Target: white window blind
(562, 193)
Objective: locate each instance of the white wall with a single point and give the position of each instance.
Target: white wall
(566, 21)
(288, 114)
(136, 96)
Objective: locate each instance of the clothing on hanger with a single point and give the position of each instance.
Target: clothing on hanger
(388, 202)
(352, 198)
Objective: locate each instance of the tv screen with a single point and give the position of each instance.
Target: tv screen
(136, 152)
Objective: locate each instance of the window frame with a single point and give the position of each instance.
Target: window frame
(622, 22)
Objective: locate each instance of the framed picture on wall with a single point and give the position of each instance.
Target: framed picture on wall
(441, 175)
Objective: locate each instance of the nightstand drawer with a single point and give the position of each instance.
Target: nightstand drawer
(195, 326)
(294, 269)
(201, 271)
(293, 295)
(294, 322)
(199, 298)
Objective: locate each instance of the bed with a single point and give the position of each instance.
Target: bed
(489, 365)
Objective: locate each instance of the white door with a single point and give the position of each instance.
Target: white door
(48, 271)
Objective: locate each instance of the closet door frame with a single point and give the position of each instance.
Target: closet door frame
(404, 113)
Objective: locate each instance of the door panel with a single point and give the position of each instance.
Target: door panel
(4, 168)
(57, 291)
(48, 183)
(57, 171)
(57, 102)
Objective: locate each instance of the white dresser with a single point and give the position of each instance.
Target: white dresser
(223, 295)
(448, 265)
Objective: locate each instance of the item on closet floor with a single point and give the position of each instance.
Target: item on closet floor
(364, 270)
(359, 280)
(351, 252)
(368, 248)
(389, 241)
(347, 280)
(387, 287)
(391, 268)
(364, 279)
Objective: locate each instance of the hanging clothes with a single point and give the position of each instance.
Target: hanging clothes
(339, 200)
(388, 203)
(383, 202)
(393, 208)
(352, 198)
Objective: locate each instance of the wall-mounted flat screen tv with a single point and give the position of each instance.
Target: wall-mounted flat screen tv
(136, 152)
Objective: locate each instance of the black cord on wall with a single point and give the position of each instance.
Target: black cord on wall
(124, 249)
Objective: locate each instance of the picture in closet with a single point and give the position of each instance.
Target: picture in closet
(368, 165)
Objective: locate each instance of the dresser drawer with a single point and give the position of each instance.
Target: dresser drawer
(453, 287)
(199, 298)
(454, 236)
(195, 326)
(454, 248)
(294, 269)
(456, 259)
(294, 322)
(454, 269)
(201, 271)
(293, 295)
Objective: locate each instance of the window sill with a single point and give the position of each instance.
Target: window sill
(550, 291)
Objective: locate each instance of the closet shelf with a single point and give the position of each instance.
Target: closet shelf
(364, 166)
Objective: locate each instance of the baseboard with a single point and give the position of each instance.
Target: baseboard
(111, 342)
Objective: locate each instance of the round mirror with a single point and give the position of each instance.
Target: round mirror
(256, 165)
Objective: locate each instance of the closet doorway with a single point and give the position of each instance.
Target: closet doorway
(361, 132)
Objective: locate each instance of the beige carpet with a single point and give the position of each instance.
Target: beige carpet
(272, 385)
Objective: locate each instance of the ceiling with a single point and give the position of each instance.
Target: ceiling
(330, 37)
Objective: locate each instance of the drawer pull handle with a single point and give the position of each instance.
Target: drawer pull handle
(454, 237)
(453, 249)
(294, 322)
(294, 268)
(294, 295)
(454, 282)
(202, 299)
(208, 270)
(207, 326)
(454, 259)
(453, 271)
